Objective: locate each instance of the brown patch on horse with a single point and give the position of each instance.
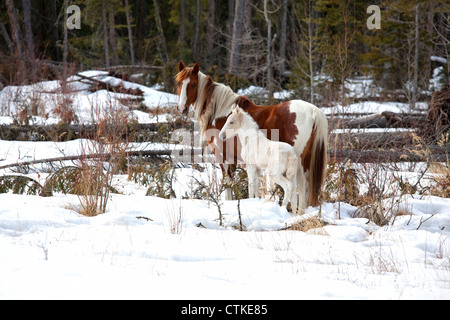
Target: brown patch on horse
(306, 155)
(209, 90)
(275, 117)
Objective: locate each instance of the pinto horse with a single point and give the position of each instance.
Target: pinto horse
(278, 159)
(296, 122)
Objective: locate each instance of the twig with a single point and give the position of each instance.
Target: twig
(422, 220)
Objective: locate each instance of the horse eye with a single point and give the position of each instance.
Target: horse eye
(193, 85)
(231, 122)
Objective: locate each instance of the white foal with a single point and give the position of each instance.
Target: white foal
(278, 159)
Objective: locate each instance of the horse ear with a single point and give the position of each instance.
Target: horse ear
(180, 66)
(196, 68)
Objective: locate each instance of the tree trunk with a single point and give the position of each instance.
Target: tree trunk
(230, 30)
(105, 34)
(269, 50)
(195, 51)
(428, 46)
(416, 60)
(210, 30)
(236, 39)
(28, 29)
(16, 35)
(159, 27)
(112, 37)
(7, 38)
(182, 15)
(55, 33)
(310, 52)
(283, 38)
(130, 33)
(65, 45)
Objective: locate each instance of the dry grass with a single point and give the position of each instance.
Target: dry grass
(111, 142)
(440, 185)
(306, 224)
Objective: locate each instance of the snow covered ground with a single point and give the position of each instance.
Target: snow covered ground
(50, 252)
(152, 248)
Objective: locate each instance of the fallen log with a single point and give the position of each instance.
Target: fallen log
(63, 132)
(436, 153)
(370, 140)
(99, 85)
(191, 154)
(103, 156)
(380, 120)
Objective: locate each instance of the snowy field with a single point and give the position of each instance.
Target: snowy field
(50, 252)
(146, 247)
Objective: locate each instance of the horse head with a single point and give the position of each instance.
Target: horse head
(187, 82)
(233, 123)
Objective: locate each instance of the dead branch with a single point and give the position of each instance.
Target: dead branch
(102, 85)
(154, 153)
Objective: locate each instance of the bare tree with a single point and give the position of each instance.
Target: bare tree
(269, 49)
(236, 39)
(304, 56)
(162, 38)
(112, 37)
(28, 29)
(342, 55)
(130, 33)
(7, 38)
(65, 44)
(416, 59)
(195, 51)
(105, 34)
(283, 36)
(15, 31)
(182, 15)
(210, 30)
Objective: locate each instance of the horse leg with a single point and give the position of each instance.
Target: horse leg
(293, 197)
(226, 168)
(252, 183)
(286, 185)
(226, 175)
(257, 182)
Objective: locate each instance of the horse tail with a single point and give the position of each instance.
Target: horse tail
(318, 163)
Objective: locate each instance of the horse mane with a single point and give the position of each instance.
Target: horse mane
(214, 101)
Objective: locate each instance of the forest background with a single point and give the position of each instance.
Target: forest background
(309, 47)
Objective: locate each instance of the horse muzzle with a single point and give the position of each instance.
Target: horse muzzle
(184, 111)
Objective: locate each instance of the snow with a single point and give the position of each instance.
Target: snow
(438, 59)
(147, 247)
(48, 251)
(47, 94)
(373, 107)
